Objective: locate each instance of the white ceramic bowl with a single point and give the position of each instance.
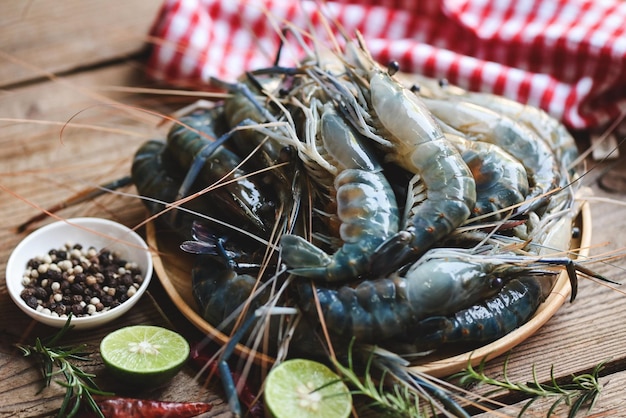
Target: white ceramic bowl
(89, 232)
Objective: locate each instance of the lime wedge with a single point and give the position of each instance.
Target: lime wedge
(305, 389)
(144, 355)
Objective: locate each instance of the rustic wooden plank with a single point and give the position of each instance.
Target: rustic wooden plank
(50, 36)
(610, 402)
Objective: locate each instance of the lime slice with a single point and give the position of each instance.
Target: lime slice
(144, 355)
(305, 389)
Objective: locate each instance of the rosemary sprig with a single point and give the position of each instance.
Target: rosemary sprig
(397, 401)
(55, 361)
(581, 390)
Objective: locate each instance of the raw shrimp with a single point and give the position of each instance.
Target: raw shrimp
(194, 151)
(220, 291)
(521, 142)
(419, 146)
(548, 128)
(250, 105)
(366, 207)
(444, 281)
(227, 280)
(158, 179)
(545, 126)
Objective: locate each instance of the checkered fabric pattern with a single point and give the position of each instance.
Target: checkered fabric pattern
(566, 56)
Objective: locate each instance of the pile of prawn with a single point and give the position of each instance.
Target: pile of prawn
(381, 209)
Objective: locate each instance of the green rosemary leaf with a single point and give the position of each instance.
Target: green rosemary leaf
(55, 361)
(69, 394)
(526, 406)
(505, 374)
(556, 404)
(75, 405)
(24, 349)
(577, 405)
(581, 390)
(397, 401)
(51, 341)
(91, 402)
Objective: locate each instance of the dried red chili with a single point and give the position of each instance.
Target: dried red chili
(119, 407)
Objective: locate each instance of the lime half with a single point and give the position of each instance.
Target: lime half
(144, 355)
(305, 389)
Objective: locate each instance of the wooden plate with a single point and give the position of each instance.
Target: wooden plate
(173, 268)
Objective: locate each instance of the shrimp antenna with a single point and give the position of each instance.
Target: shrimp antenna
(603, 137)
(595, 167)
(227, 378)
(81, 196)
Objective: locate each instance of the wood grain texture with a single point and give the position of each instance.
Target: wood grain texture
(60, 136)
(40, 36)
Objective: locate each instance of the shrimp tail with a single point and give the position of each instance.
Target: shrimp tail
(312, 261)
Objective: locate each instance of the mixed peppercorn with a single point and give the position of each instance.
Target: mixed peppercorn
(82, 281)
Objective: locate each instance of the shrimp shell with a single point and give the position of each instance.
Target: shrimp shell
(521, 142)
(501, 180)
(545, 126)
(420, 147)
(241, 195)
(488, 320)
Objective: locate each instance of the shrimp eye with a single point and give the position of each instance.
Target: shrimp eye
(575, 232)
(286, 154)
(496, 283)
(443, 82)
(393, 67)
(415, 88)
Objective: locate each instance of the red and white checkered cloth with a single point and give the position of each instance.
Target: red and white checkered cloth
(565, 56)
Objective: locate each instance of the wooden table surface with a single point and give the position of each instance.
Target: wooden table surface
(61, 62)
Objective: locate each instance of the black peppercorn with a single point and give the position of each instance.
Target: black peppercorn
(126, 280)
(76, 288)
(40, 293)
(78, 310)
(106, 299)
(31, 301)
